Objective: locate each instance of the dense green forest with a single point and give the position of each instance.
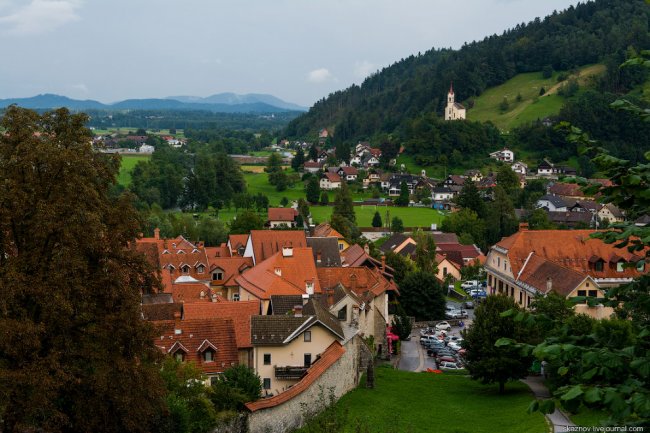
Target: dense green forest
(388, 101)
(188, 119)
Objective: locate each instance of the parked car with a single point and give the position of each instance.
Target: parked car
(455, 345)
(443, 326)
(468, 285)
(468, 305)
(477, 293)
(453, 338)
(449, 366)
(457, 314)
(446, 359)
(425, 339)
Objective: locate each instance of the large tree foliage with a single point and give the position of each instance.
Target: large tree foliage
(312, 190)
(422, 296)
(75, 354)
(486, 361)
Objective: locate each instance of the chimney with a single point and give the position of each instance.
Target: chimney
(305, 299)
(353, 282)
(549, 284)
(202, 295)
(278, 272)
(297, 311)
(383, 263)
(523, 227)
(318, 258)
(156, 233)
(330, 296)
(287, 251)
(177, 323)
(366, 249)
(199, 244)
(309, 287)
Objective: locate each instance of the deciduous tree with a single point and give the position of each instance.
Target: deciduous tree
(75, 355)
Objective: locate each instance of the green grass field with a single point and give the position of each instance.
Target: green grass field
(128, 163)
(442, 403)
(411, 216)
(532, 106)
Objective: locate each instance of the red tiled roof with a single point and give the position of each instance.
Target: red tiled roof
(282, 214)
(375, 152)
(569, 248)
(219, 332)
(239, 312)
(177, 252)
(325, 230)
(268, 242)
(236, 241)
(280, 275)
(220, 251)
(566, 189)
(359, 280)
(332, 354)
(333, 177)
(190, 292)
(312, 164)
(232, 267)
(350, 170)
(562, 279)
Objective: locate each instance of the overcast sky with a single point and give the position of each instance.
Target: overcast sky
(297, 50)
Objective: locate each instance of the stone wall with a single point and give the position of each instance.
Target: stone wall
(340, 378)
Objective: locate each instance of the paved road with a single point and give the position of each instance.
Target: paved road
(559, 420)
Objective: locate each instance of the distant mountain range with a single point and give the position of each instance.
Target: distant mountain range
(219, 103)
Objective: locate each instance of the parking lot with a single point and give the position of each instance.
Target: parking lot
(414, 356)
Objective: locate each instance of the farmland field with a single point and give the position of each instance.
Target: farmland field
(128, 164)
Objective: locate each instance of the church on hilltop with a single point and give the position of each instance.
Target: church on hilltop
(454, 110)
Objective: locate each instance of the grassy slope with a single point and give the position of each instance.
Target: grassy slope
(444, 403)
(411, 216)
(128, 163)
(532, 106)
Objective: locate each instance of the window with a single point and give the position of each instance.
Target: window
(598, 266)
(307, 360)
(185, 269)
(521, 295)
(640, 266)
(179, 356)
(200, 269)
(307, 336)
(498, 261)
(593, 293)
(217, 275)
(267, 359)
(444, 271)
(582, 293)
(343, 313)
(235, 297)
(340, 247)
(267, 383)
(619, 266)
(208, 356)
(214, 380)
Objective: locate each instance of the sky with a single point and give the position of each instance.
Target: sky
(297, 50)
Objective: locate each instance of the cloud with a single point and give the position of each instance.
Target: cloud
(319, 75)
(364, 68)
(40, 16)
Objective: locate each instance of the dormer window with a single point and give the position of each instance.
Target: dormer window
(166, 252)
(640, 266)
(207, 351)
(200, 269)
(185, 269)
(217, 275)
(195, 251)
(178, 351)
(620, 266)
(179, 356)
(180, 252)
(599, 266)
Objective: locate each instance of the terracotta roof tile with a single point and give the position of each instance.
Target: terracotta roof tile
(332, 354)
(359, 280)
(239, 312)
(219, 332)
(324, 230)
(282, 214)
(237, 241)
(231, 267)
(566, 189)
(569, 248)
(268, 242)
(280, 275)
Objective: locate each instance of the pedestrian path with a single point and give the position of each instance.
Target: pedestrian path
(558, 419)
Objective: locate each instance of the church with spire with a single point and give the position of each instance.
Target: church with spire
(454, 110)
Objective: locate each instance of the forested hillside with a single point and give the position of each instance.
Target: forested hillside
(388, 101)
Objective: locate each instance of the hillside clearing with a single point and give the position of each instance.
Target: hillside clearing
(126, 167)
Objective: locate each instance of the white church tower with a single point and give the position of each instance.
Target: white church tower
(454, 110)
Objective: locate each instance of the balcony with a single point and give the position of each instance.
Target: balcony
(290, 372)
